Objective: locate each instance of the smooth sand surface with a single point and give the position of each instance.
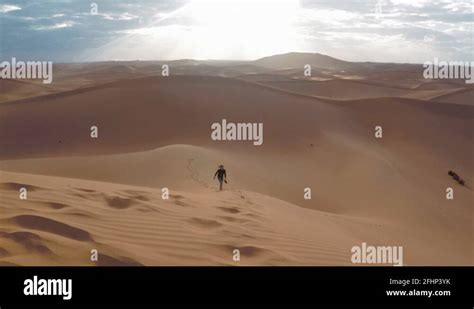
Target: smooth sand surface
(154, 132)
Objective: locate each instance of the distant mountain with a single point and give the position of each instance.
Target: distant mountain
(298, 60)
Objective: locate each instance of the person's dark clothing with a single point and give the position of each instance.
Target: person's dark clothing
(221, 174)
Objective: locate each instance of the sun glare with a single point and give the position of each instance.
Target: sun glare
(211, 29)
(250, 27)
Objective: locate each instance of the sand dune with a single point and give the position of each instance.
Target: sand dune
(287, 67)
(440, 85)
(462, 96)
(188, 229)
(299, 60)
(154, 132)
(201, 228)
(17, 89)
(65, 119)
(353, 89)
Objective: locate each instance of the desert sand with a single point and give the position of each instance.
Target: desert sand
(154, 132)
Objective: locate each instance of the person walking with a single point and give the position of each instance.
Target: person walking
(221, 176)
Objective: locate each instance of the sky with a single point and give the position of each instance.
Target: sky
(412, 31)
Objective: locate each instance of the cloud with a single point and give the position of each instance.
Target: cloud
(415, 3)
(62, 25)
(122, 16)
(5, 8)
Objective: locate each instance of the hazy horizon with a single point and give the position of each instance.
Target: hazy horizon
(221, 60)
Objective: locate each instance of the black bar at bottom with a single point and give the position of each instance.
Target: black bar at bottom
(242, 285)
